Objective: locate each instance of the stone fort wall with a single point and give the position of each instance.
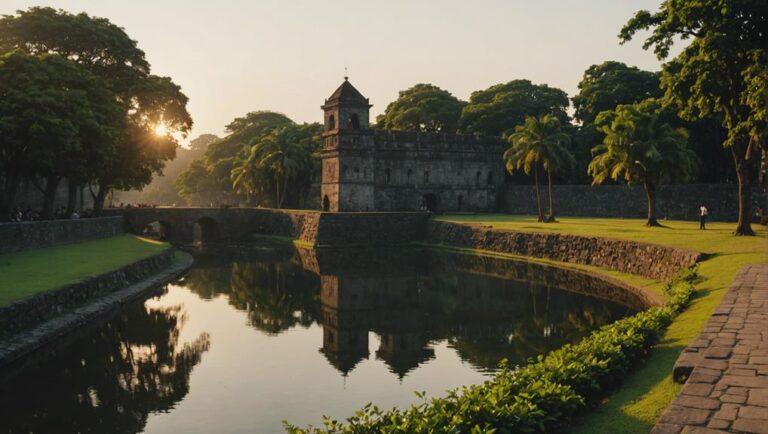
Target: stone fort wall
(676, 202)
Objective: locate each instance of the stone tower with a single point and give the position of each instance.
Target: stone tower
(348, 152)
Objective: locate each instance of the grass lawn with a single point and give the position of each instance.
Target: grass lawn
(26, 273)
(649, 389)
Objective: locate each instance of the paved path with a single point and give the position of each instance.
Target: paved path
(727, 390)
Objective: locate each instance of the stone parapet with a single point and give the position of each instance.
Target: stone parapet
(648, 260)
(17, 237)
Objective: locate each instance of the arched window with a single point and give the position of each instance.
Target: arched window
(387, 176)
(410, 175)
(354, 121)
(477, 178)
(490, 178)
(331, 122)
(460, 201)
(426, 177)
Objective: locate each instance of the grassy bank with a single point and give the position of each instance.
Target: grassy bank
(30, 272)
(647, 391)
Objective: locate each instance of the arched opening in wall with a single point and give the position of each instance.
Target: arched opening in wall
(354, 121)
(426, 177)
(477, 178)
(459, 202)
(157, 230)
(490, 178)
(387, 176)
(429, 202)
(331, 122)
(410, 176)
(326, 203)
(206, 231)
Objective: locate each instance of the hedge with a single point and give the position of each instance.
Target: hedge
(539, 397)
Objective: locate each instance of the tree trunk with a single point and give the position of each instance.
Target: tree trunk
(98, 200)
(49, 196)
(551, 217)
(285, 189)
(277, 192)
(72, 197)
(743, 226)
(650, 191)
(8, 191)
(538, 194)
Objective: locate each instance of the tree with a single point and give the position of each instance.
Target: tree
(283, 155)
(56, 120)
(724, 70)
(107, 52)
(539, 141)
(605, 86)
(639, 148)
(423, 107)
(496, 110)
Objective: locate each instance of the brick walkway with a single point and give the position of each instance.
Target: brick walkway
(726, 366)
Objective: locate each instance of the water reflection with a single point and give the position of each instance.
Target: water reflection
(131, 366)
(283, 330)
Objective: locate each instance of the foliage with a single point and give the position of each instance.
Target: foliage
(540, 397)
(722, 70)
(496, 110)
(539, 141)
(605, 86)
(107, 52)
(56, 120)
(640, 148)
(423, 107)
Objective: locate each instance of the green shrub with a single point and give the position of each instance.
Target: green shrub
(539, 397)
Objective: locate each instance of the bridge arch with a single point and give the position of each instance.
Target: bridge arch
(159, 230)
(206, 230)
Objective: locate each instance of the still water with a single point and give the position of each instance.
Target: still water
(252, 337)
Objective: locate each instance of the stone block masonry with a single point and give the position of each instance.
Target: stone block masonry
(17, 237)
(648, 260)
(726, 367)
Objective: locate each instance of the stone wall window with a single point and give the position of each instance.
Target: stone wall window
(410, 175)
(490, 178)
(354, 121)
(477, 178)
(331, 122)
(387, 176)
(459, 202)
(426, 177)
(357, 173)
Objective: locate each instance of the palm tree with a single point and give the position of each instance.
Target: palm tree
(539, 141)
(640, 148)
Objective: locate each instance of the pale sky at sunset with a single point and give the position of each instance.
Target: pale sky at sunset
(232, 57)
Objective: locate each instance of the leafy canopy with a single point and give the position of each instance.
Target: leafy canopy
(496, 110)
(423, 107)
(539, 140)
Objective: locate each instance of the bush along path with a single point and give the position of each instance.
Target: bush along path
(540, 397)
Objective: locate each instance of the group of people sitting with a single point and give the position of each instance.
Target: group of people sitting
(30, 215)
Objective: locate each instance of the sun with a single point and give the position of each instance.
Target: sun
(161, 129)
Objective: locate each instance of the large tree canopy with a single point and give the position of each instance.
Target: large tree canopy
(723, 70)
(423, 107)
(605, 86)
(497, 110)
(107, 52)
(56, 120)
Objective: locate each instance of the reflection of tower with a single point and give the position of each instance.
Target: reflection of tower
(404, 351)
(345, 335)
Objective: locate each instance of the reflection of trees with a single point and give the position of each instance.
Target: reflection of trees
(108, 382)
(277, 296)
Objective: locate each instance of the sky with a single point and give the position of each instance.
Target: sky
(235, 56)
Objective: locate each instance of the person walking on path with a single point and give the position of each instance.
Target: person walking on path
(702, 217)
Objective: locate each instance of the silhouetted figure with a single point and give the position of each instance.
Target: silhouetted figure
(703, 217)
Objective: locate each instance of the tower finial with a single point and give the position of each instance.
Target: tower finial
(346, 75)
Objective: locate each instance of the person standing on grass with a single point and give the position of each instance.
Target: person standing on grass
(702, 217)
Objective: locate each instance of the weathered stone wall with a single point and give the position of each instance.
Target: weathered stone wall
(238, 224)
(33, 310)
(677, 202)
(649, 260)
(377, 229)
(16, 237)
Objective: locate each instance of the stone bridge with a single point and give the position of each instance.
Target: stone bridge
(206, 225)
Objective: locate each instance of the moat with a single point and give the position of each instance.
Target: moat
(252, 336)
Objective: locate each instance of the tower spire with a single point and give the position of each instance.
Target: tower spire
(346, 75)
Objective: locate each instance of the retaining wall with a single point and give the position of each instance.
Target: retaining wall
(16, 237)
(38, 308)
(648, 260)
(677, 202)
